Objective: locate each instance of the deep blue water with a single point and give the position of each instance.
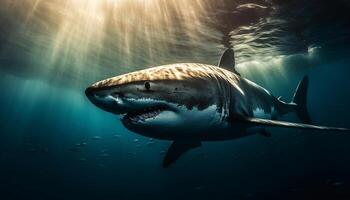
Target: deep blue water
(54, 144)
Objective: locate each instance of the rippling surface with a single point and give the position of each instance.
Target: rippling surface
(84, 40)
(56, 145)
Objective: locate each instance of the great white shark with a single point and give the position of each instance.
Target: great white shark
(188, 103)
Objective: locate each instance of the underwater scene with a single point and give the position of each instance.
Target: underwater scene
(150, 134)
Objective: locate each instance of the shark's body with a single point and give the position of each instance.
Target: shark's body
(189, 103)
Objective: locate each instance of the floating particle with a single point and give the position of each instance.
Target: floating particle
(96, 138)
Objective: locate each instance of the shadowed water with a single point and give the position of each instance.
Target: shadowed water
(56, 145)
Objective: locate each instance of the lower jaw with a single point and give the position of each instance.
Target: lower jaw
(136, 120)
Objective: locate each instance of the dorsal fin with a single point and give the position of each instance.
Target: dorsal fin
(227, 61)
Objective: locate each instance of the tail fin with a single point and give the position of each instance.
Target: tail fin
(299, 99)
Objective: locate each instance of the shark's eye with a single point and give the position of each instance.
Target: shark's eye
(147, 85)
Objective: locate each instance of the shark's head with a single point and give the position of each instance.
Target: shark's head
(163, 102)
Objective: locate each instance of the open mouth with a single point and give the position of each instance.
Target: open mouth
(142, 114)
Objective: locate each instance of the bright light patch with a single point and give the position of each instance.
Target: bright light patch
(92, 38)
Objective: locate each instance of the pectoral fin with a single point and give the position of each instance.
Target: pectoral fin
(177, 148)
(275, 123)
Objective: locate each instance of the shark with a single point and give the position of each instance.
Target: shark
(190, 103)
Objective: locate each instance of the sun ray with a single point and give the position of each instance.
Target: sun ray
(110, 36)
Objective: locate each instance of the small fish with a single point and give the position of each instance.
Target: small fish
(96, 138)
(150, 143)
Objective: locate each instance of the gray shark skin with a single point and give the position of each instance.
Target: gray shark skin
(188, 103)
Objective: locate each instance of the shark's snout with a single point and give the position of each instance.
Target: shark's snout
(92, 94)
(141, 109)
(89, 92)
(102, 100)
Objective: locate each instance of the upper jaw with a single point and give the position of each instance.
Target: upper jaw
(145, 109)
